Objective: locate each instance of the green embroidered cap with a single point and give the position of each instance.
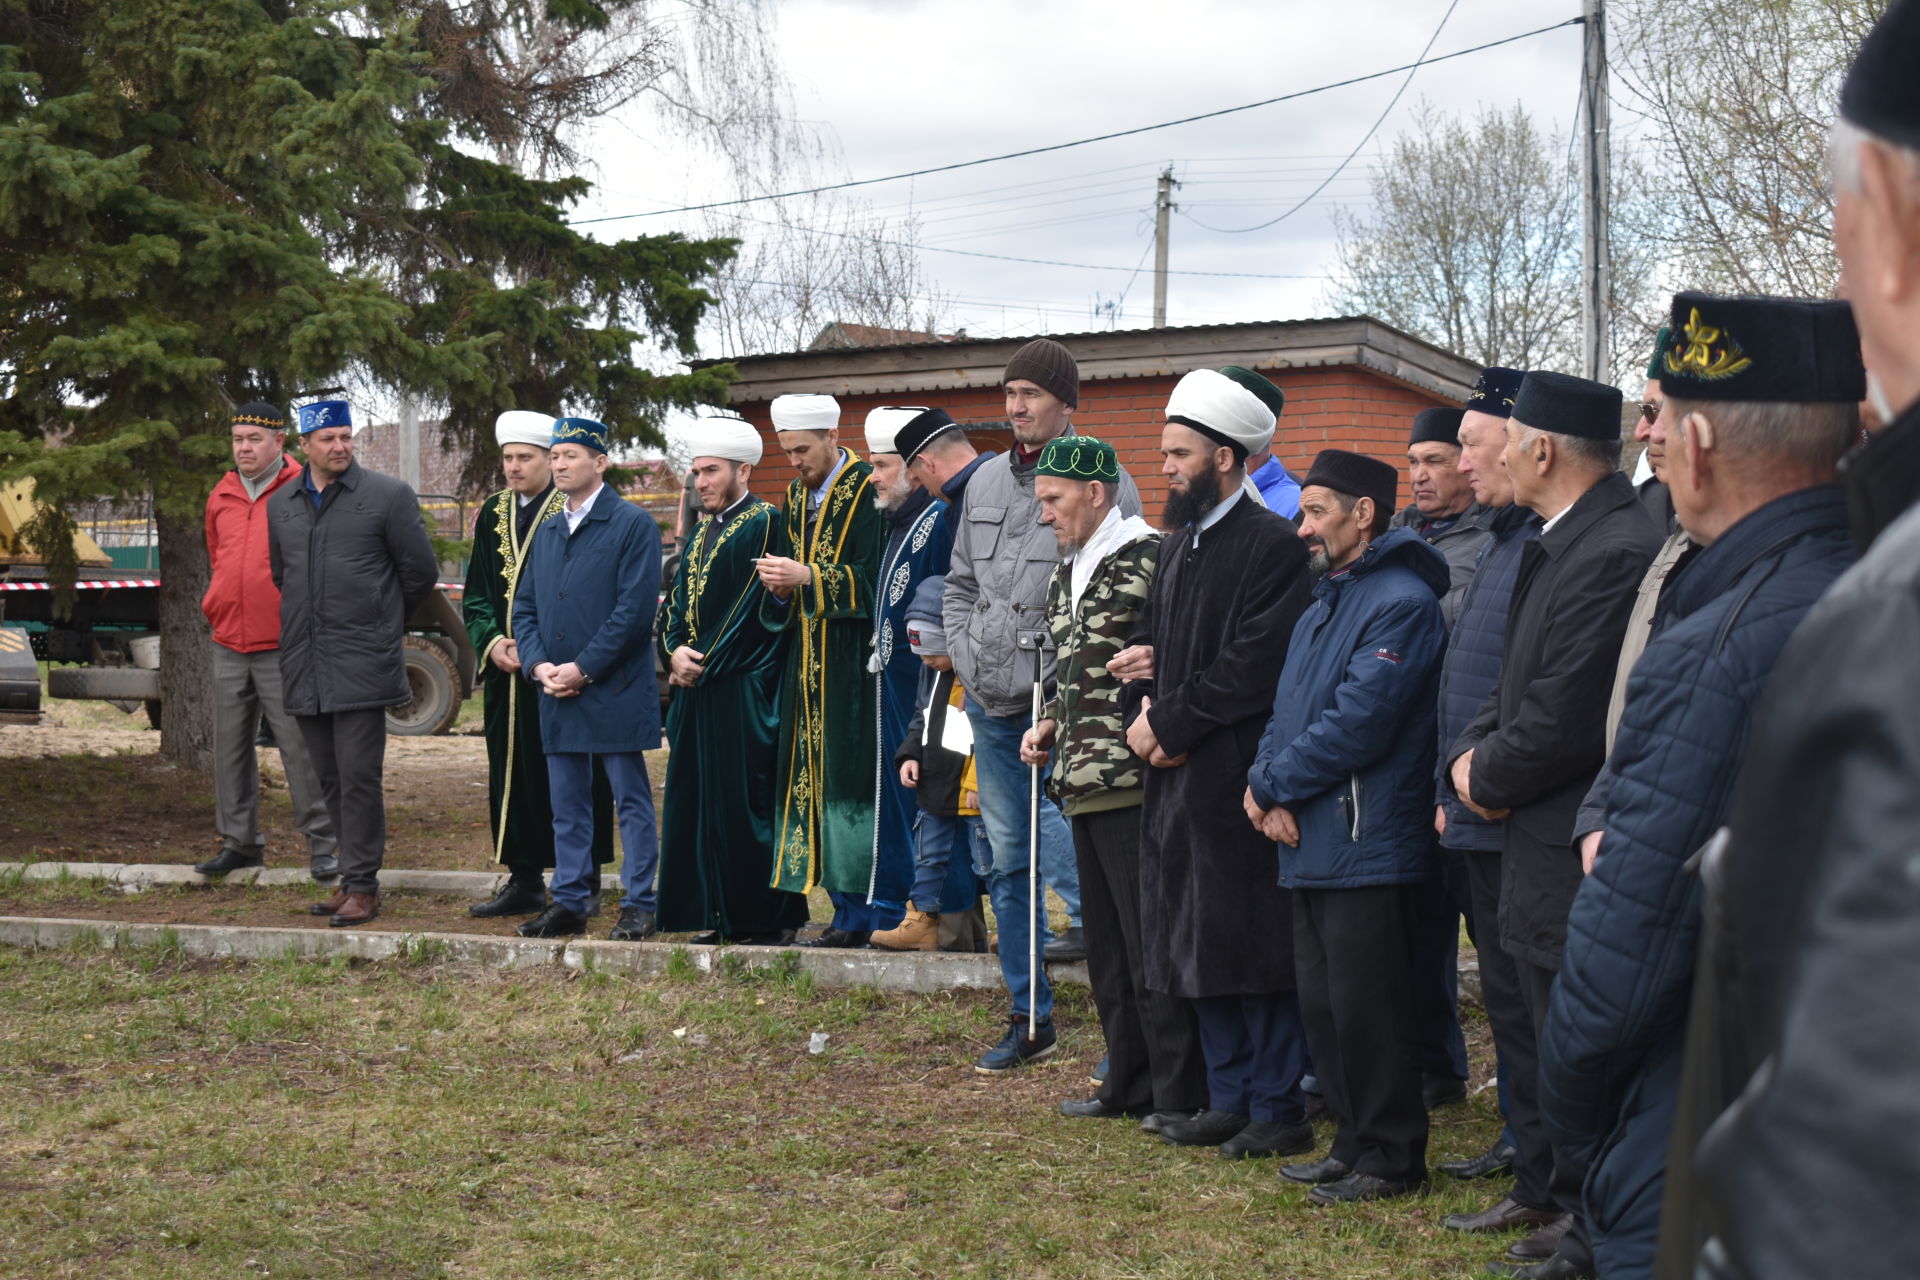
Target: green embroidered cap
(1079, 458)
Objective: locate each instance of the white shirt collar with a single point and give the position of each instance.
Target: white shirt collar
(1556, 519)
(1220, 509)
(1113, 531)
(586, 504)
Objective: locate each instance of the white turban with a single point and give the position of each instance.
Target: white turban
(805, 413)
(519, 426)
(723, 436)
(884, 423)
(1218, 407)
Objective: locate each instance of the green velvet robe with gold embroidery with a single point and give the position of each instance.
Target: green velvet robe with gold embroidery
(824, 787)
(519, 804)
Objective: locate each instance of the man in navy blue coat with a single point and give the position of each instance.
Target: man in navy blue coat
(1341, 782)
(583, 614)
(1762, 399)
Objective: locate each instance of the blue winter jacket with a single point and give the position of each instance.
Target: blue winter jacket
(1612, 1045)
(1349, 749)
(1472, 665)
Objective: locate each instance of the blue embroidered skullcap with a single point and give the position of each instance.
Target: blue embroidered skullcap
(323, 413)
(584, 431)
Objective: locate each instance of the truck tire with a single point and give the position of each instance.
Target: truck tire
(114, 684)
(435, 683)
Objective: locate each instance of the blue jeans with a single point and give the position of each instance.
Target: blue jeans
(570, 776)
(1004, 797)
(852, 912)
(942, 882)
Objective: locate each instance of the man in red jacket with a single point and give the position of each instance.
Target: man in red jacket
(243, 608)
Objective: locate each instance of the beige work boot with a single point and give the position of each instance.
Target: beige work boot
(920, 931)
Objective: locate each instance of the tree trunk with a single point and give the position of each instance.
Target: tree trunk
(186, 661)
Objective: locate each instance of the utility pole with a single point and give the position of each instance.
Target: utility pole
(1596, 262)
(1162, 206)
(410, 441)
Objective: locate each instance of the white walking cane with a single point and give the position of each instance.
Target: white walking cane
(1037, 641)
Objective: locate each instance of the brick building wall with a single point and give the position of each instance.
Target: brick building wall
(1338, 407)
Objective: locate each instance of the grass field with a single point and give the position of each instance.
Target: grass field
(166, 1117)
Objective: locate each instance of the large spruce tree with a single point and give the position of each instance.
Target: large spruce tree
(204, 202)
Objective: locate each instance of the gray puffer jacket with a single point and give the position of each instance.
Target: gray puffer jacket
(1003, 558)
(349, 574)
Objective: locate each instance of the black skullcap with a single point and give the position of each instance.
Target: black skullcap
(1568, 406)
(1269, 392)
(1437, 426)
(1494, 390)
(1355, 475)
(1881, 93)
(258, 413)
(915, 433)
(1780, 350)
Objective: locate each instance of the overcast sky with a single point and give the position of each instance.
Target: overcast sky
(905, 85)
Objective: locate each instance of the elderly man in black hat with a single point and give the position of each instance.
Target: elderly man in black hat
(1764, 397)
(1805, 1020)
(1340, 784)
(1533, 750)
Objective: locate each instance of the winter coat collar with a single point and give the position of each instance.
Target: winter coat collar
(918, 500)
(956, 487)
(1398, 546)
(1612, 493)
(1883, 477)
(1761, 533)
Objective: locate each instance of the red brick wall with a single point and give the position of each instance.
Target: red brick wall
(1344, 407)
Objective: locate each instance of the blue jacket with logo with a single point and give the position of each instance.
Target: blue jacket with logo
(1350, 747)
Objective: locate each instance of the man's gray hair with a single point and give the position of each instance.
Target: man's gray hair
(1843, 153)
(1809, 437)
(1583, 452)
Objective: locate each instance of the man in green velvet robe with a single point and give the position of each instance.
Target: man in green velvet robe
(820, 587)
(518, 802)
(723, 726)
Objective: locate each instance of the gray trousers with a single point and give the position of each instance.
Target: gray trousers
(349, 750)
(246, 687)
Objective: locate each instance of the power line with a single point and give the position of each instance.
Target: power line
(1381, 119)
(1081, 142)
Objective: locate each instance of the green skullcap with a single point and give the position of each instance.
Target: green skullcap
(1659, 352)
(1079, 458)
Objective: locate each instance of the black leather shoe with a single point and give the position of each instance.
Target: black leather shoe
(555, 922)
(1541, 1244)
(1357, 1188)
(1068, 947)
(228, 860)
(851, 938)
(1208, 1128)
(1497, 1158)
(1154, 1121)
(1094, 1109)
(711, 938)
(634, 925)
(323, 868)
(1264, 1138)
(517, 897)
(778, 938)
(1503, 1216)
(1316, 1171)
(1558, 1267)
(1438, 1091)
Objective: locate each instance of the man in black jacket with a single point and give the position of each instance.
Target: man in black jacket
(1763, 395)
(1805, 1017)
(1533, 750)
(351, 558)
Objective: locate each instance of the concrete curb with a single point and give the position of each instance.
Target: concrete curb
(136, 877)
(916, 971)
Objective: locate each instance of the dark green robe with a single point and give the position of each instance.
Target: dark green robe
(518, 802)
(827, 714)
(716, 825)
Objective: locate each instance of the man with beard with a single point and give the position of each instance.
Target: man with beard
(723, 725)
(820, 576)
(1539, 740)
(1339, 783)
(1215, 927)
(519, 799)
(1106, 571)
(918, 544)
(1003, 558)
(1804, 1023)
(1469, 673)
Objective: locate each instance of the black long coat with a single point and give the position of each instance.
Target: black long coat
(1541, 736)
(1214, 920)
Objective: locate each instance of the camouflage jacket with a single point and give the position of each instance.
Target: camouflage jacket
(1093, 769)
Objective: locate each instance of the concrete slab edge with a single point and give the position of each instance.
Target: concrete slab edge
(135, 877)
